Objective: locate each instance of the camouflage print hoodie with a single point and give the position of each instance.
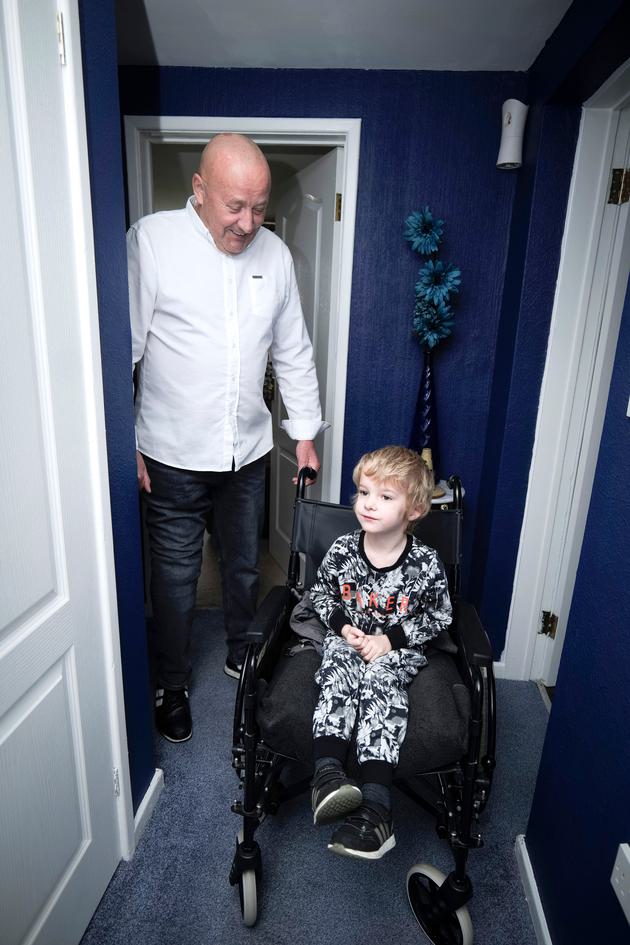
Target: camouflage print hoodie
(408, 601)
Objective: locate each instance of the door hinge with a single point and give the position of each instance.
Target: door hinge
(116, 782)
(548, 624)
(61, 39)
(337, 208)
(619, 185)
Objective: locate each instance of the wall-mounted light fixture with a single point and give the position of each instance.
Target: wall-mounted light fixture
(513, 118)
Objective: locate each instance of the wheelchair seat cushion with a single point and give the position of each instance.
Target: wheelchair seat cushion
(437, 728)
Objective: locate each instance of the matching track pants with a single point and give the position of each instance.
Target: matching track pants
(371, 695)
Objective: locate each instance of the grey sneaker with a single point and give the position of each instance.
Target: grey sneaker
(368, 833)
(333, 795)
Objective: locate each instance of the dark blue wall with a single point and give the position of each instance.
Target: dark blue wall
(98, 39)
(581, 809)
(534, 254)
(427, 138)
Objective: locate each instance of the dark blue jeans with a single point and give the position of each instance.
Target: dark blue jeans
(177, 512)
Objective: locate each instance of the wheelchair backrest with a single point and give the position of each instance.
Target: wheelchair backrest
(317, 524)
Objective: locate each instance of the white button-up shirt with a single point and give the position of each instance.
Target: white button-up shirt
(202, 324)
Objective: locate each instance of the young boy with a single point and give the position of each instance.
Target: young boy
(382, 595)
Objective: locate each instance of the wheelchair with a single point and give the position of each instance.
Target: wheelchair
(448, 757)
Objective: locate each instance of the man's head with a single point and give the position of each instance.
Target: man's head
(231, 189)
(405, 470)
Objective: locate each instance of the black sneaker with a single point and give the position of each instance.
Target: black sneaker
(172, 714)
(232, 668)
(333, 795)
(368, 833)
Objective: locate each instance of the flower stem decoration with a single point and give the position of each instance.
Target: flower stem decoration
(433, 319)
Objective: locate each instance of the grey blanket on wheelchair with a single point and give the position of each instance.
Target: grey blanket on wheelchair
(439, 707)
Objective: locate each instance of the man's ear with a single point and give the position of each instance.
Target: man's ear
(197, 186)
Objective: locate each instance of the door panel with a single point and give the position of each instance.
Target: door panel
(305, 220)
(58, 817)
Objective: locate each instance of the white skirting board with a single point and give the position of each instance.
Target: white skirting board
(531, 892)
(147, 804)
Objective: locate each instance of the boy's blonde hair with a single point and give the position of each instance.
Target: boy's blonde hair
(405, 469)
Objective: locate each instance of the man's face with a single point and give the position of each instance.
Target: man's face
(231, 202)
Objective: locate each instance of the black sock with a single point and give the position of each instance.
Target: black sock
(379, 793)
(326, 762)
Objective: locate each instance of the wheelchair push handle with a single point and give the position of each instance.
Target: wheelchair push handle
(305, 473)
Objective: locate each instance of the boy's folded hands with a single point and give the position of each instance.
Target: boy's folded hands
(369, 646)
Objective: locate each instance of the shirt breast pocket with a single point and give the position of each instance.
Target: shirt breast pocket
(264, 296)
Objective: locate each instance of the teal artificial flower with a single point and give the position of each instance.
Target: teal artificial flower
(423, 232)
(432, 321)
(436, 281)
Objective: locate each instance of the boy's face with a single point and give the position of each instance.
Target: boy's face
(382, 507)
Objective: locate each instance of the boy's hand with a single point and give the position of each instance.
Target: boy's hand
(372, 647)
(352, 635)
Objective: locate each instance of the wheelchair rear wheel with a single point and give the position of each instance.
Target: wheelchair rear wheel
(441, 926)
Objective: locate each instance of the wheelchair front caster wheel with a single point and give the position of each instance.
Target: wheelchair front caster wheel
(441, 926)
(248, 897)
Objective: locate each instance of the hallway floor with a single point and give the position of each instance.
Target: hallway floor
(176, 888)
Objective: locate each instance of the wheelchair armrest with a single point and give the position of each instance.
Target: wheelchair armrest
(269, 612)
(472, 638)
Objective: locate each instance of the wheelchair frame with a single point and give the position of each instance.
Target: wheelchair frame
(461, 789)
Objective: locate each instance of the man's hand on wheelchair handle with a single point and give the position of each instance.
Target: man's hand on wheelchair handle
(306, 455)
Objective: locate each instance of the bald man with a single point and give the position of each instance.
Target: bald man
(212, 293)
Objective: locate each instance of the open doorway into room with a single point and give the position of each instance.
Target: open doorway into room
(314, 170)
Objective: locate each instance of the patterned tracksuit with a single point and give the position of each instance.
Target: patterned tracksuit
(409, 602)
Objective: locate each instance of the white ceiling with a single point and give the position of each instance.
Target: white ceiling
(337, 34)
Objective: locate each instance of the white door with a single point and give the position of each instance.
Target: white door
(305, 220)
(59, 829)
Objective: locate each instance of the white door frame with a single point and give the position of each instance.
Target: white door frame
(141, 131)
(565, 451)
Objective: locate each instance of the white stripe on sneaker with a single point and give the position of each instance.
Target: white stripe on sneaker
(363, 854)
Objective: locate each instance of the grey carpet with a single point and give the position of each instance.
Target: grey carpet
(175, 890)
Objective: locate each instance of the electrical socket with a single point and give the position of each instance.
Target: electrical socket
(620, 878)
